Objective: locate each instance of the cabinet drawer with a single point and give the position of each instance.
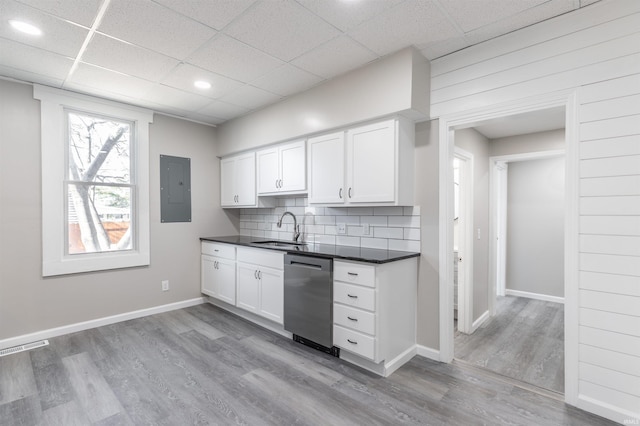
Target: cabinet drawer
(353, 295)
(355, 342)
(225, 251)
(355, 273)
(353, 318)
(263, 257)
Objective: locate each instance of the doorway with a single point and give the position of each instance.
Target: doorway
(448, 126)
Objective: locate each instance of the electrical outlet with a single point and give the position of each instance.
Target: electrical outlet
(341, 228)
(366, 230)
(165, 285)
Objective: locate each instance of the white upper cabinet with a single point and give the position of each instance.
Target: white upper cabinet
(378, 169)
(282, 169)
(326, 169)
(238, 181)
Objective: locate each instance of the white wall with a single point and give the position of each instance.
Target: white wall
(535, 227)
(29, 303)
(396, 83)
(595, 51)
(552, 140)
(472, 141)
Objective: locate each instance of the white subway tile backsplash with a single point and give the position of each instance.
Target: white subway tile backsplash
(404, 221)
(348, 220)
(374, 220)
(412, 234)
(325, 220)
(393, 228)
(388, 211)
(360, 211)
(348, 241)
(404, 245)
(376, 243)
(380, 232)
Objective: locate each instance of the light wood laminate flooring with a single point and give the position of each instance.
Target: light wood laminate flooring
(523, 341)
(202, 365)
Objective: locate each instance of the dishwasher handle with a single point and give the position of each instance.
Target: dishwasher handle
(308, 262)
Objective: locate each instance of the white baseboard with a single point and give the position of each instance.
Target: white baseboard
(399, 361)
(608, 411)
(536, 296)
(99, 322)
(477, 323)
(427, 352)
(262, 322)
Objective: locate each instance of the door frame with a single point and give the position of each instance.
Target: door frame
(447, 126)
(465, 247)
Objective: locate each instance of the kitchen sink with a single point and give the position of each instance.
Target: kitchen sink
(280, 244)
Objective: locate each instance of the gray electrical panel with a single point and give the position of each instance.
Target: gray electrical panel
(175, 189)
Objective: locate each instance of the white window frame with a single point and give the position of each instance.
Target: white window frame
(55, 261)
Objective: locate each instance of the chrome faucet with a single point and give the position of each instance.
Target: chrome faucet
(296, 227)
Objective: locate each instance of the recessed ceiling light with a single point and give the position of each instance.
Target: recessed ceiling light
(201, 84)
(25, 28)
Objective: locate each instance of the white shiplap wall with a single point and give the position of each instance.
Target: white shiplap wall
(595, 51)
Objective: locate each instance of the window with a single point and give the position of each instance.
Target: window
(95, 185)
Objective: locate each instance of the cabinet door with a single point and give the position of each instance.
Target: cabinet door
(207, 275)
(247, 296)
(326, 169)
(272, 294)
(225, 280)
(268, 171)
(371, 163)
(293, 167)
(227, 182)
(245, 178)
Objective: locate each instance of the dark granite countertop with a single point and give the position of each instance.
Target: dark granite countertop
(320, 250)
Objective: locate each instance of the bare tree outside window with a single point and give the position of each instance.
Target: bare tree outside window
(99, 186)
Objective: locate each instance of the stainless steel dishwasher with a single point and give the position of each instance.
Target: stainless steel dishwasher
(308, 301)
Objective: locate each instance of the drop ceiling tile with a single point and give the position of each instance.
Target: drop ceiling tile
(348, 14)
(183, 77)
(30, 77)
(335, 57)
(31, 59)
(81, 12)
(107, 81)
(528, 17)
(174, 98)
(416, 22)
(473, 14)
(155, 27)
(58, 36)
(223, 110)
(287, 80)
(127, 58)
(281, 28)
(441, 48)
(232, 58)
(250, 97)
(216, 14)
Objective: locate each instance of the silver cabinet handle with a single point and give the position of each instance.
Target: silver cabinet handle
(352, 342)
(353, 296)
(280, 183)
(353, 274)
(259, 275)
(216, 250)
(277, 184)
(340, 193)
(349, 192)
(255, 274)
(353, 319)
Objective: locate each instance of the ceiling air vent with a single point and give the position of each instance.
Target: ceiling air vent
(22, 348)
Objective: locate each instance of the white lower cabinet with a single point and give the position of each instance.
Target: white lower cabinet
(218, 271)
(260, 284)
(374, 311)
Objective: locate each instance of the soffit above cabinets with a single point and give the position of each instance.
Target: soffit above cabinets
(253, 52)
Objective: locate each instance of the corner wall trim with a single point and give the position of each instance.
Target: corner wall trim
(427, 352)
(537, 296)
(477, 323)
(98, 322)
